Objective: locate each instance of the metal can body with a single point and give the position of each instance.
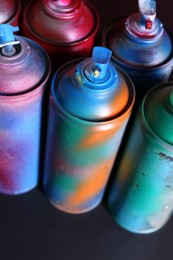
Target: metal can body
(64, 34)
(10, 11)
(24, 76)
(79, 160)
(80, 153)
(20, 131)
(146, 57)
(141, 196)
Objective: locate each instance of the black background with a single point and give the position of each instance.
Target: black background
(31, 228)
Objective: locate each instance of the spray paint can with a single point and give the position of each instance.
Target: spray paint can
(24, 70)
(10, 11)
(66, 29)
(141, 196)
(142, 47)
(90, 104)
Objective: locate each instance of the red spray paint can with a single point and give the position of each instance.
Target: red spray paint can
(65, 28)
(9, 11)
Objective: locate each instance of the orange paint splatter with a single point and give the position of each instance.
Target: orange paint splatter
(95, 138)
(100, 135)
(120, 101)
(91, 187)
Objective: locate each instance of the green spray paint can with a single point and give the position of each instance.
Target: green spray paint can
(141, 196)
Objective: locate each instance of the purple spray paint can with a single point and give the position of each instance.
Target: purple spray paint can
(24, 72)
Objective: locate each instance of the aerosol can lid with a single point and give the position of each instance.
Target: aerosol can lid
(92, 89)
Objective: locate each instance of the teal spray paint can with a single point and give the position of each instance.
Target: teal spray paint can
(90, 105)
(141, 196)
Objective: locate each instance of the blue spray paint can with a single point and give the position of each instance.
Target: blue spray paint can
(142, 47)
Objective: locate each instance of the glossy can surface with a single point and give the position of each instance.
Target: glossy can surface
(66, 29)
(10, 11)
(144, 52)
(141, 197)
(24, 74)
(87, 119)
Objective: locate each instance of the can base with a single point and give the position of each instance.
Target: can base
(16, 192)
(139, 231)
(69, 211)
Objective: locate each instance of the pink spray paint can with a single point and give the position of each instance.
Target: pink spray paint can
(24, 73)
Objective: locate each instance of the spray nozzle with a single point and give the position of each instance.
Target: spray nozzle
(7, 39)
(147, 10)
(62, 8)
(62, 2)
(97, 70)
(144, 23)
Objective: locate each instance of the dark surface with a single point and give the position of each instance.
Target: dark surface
(31, 228)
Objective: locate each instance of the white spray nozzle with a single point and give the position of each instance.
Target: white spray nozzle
(147, 9)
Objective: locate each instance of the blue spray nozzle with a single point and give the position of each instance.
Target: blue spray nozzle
(97, 70)
(6, 35)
